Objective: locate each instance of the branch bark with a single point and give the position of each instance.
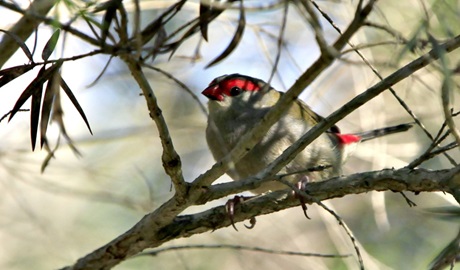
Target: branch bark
(24, 28)
(418, 180)
(152, 231)
(171, 160)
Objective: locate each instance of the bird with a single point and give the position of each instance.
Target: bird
(238, 102)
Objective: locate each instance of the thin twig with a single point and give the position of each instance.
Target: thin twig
(316, 26)
(399, 37)
(181, 84)
(171, 160)
(374, 70)
(8, 113)
(280, 41)
(333, 213)
(137, 28)
(239, 247)
(446, 90)
(50, 21)
(370, 45)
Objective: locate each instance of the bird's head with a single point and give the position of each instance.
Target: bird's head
(238, 90)
(229, 86)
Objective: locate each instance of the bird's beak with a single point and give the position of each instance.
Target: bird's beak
(213, 93)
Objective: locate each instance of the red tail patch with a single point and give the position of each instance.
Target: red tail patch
(348, 138)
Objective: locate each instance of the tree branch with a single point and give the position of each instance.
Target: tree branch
(24, 28)
(154, 230)
(372, 92)
(417, 180)
(171, 160)
(165, 224)
(326, 123)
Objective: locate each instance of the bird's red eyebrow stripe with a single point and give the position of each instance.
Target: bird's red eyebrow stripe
(241, 83)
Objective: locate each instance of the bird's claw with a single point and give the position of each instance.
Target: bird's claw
(301, 184)
(230, 208)
(252, 223)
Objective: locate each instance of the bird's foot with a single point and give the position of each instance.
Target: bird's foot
(230, 208)
(301, 185)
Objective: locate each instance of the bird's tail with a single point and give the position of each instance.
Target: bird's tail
(369, 135)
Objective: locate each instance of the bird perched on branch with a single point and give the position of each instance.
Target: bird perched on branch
(238, 102)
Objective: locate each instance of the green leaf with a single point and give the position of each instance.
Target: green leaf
(72, 98)
(35, 90)
(35, 113)
(50, 45)
(110, 14)
(57, 117)
(153, 27)
(193, 29)
(42, 76)
(9, 74)
(235, 40)
(52, 89)
(205, 12)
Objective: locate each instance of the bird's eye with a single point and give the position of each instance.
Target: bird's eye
(235, 91)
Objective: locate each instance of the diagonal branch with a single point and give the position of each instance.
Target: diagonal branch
(154, 229)
(216, 192)
(250, 139)
(240, 247)
(24, 28)
(171, 160)
(355, 103)
(417, 180)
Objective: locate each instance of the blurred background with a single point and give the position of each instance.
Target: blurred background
(50, 219)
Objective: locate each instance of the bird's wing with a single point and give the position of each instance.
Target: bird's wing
(303, 111)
